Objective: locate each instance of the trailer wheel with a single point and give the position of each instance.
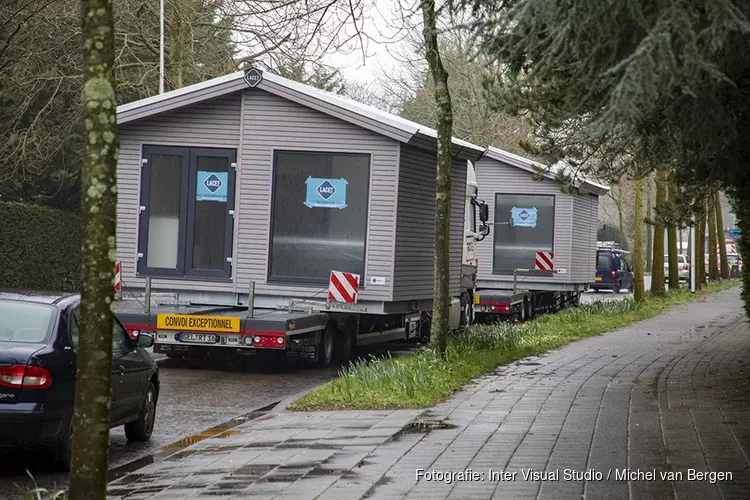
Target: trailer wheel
(324, 355)
(522, 311)
(467, 309)
(345, 347)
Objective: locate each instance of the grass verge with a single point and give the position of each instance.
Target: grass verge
(422, 379)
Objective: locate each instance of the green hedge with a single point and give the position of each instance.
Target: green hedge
(40, 248)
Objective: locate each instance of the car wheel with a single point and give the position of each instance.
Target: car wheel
(631, 287)
(62, 454)
(325, 348)
(143, 426)
(618, 287)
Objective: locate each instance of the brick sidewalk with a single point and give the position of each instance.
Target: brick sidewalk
(668, 394)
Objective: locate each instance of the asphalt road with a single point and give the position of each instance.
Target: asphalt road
(592, 296)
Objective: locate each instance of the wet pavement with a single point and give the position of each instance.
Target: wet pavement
(658, 409)
(193, 398)
(198, 400)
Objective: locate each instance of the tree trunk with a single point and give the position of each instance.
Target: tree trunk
(623, 238)
(657, 261)
(649, 229)
(674, 270)
(720, 236)
(700, 244)
(444, 119)
(713, 268)
(90, 446)
(640, 290)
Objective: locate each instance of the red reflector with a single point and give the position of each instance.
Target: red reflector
(25, 377)
(266, 341)
(614, 273)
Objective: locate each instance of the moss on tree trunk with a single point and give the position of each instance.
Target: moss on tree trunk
(657, 259)
(700, 244)
(713, 264)
(674, 270)
(90, 447)
(444, 120)
(640, 289)
(724, 268)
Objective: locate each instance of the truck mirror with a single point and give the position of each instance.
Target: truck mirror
(484, 212)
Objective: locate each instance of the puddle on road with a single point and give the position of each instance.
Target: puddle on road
(219, 431)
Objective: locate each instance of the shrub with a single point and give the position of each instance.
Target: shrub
(39, 248)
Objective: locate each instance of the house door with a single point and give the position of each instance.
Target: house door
(187, 212)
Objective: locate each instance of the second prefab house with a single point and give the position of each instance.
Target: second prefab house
(542, 238)
(255, 179)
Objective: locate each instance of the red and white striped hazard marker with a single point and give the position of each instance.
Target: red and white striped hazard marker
(343, 287)
(544, 261)
(118, 282)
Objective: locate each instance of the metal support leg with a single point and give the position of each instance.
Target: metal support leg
(251, 300)
(147, 296)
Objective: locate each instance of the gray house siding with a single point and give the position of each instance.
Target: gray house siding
(214, 123)
(416, 222)
(256, 123)
(585, 220)
(271, 123)
(497, 177)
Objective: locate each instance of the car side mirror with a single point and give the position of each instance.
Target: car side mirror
(145, 340)
(484, 212)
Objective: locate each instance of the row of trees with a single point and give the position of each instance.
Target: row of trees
(42, 137)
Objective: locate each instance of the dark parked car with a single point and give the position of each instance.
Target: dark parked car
(613, 272)
(38, 342)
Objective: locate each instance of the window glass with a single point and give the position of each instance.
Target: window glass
(24, 321)
(319, 215)
(515, 247)
(120, 339)
(164, 211)
(209, 237)
(623, 264)
(604, 261)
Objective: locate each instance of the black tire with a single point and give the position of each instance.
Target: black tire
(345, 347)
(467, 311)
(324, 354)
(522, 312)
(618, 287)
(143, 426)
(62, 450)
(631, 288)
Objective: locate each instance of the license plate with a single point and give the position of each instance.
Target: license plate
(598, 278)
(199, 337)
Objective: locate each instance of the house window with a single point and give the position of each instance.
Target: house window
(187, 198)
(319, 215)
(524, 225)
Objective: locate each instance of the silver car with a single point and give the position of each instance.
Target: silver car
(682, 266)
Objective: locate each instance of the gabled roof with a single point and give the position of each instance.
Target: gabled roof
(365, 116)
(549, 172)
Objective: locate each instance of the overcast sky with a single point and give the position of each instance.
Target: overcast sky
(382, 27)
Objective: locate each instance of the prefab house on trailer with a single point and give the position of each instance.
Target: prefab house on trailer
(253, 188)
(543, 239)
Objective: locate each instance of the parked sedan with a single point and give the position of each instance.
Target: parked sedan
(38, 346)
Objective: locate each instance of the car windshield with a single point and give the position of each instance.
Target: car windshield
(24, 321)
(604, 261)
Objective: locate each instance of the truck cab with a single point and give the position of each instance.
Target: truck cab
(474, 209)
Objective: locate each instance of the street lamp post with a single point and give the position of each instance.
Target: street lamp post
(161, 48)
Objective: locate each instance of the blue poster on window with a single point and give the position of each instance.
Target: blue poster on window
(211, 186)
(523, 217)
(325, 193)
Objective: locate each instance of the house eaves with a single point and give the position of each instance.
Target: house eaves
(535, 167)
(368, 117)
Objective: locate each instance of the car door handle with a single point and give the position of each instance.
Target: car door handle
(121, 369)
